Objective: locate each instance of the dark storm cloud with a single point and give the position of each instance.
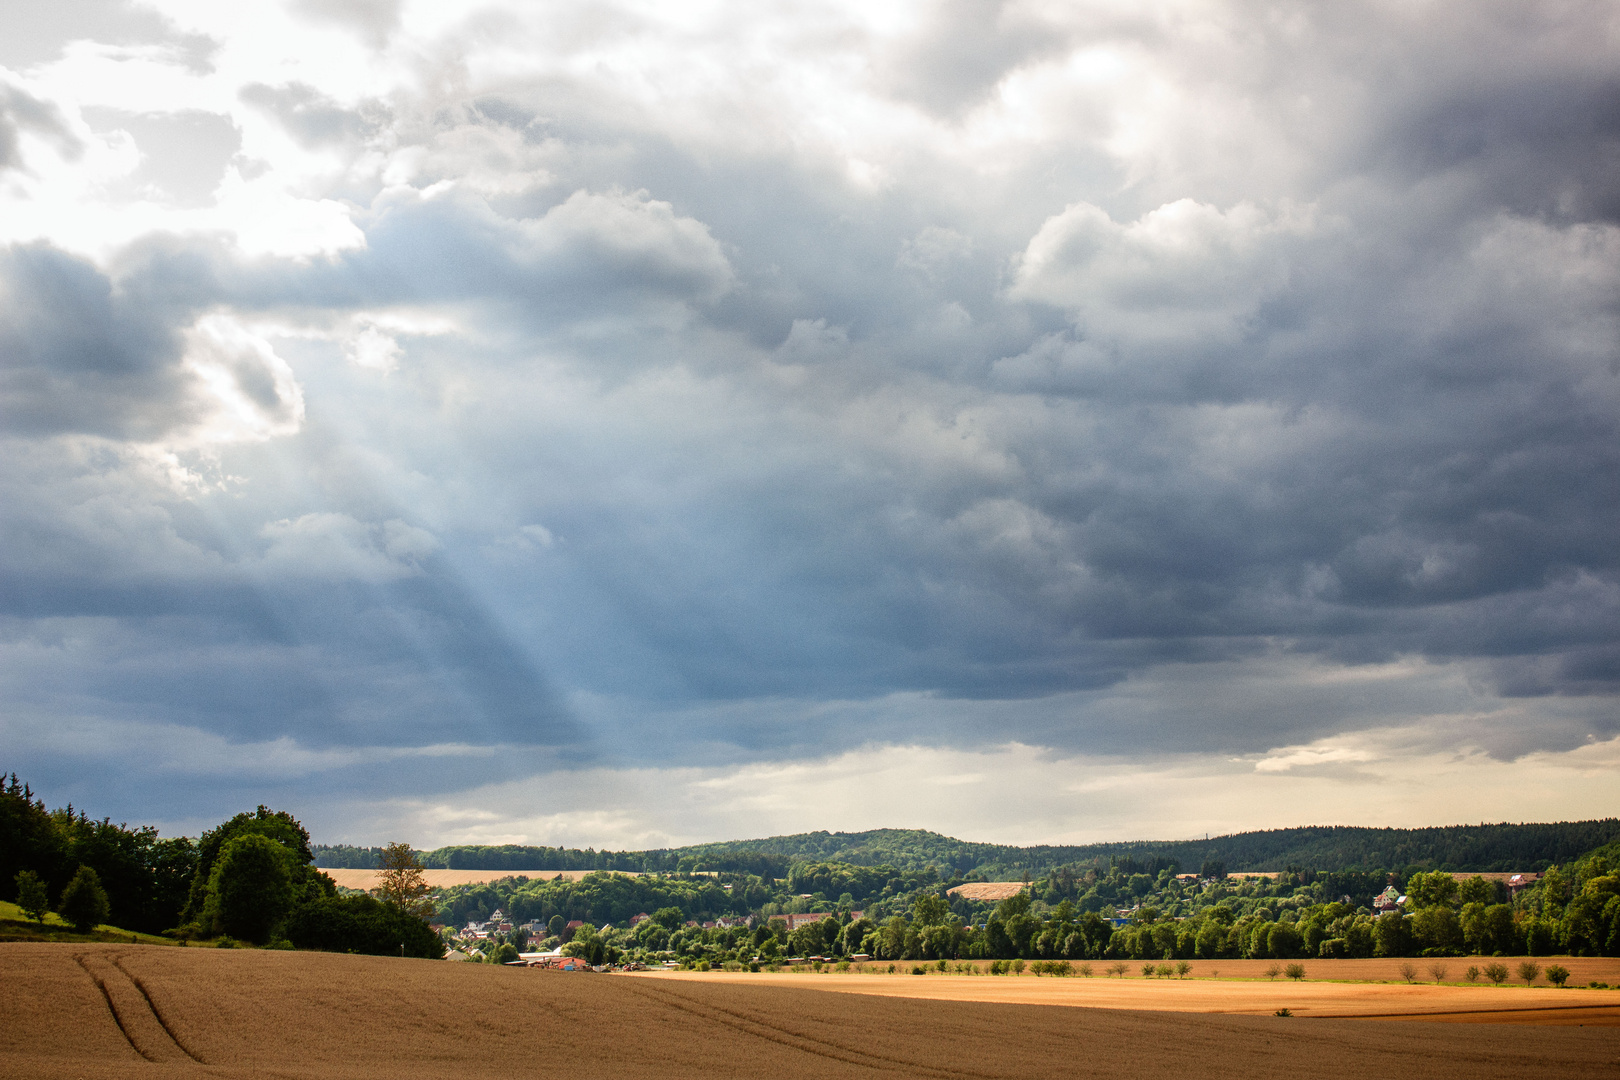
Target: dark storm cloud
(752, 451)
(76, 357)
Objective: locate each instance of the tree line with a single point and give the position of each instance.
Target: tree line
(1073, 914)
(251, 878)
(1460, 848)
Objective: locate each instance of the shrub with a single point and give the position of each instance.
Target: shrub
(1295, 971)
(84, 901)
(1273, 971)
(1557, 974)
(1283, 1012)
(1018, 967)
(1472, 974)
(1497, 973)
(1438, 971)
(1164, 971)
(1119, 969)
(1334, 948)
(1528, 970)
(1148, 970)
(1183, 969)
(918, 970)
(1408, 972)
(361, 924)
(1084, 969)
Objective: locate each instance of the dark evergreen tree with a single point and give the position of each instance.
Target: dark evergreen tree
(84, 901)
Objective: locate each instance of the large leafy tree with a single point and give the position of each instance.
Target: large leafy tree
(274, 824)
(250, 889)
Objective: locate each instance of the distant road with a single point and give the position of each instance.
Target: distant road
(440, 879)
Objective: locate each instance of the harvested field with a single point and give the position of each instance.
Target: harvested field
(116, 1011)
(1582, 969)
(441, 879)
(988, 890)
(1393, 1001)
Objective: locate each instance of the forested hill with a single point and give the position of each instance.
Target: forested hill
(1328, 847)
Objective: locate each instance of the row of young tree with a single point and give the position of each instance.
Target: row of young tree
(251, 878)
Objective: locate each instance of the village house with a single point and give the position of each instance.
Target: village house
(1388, 900)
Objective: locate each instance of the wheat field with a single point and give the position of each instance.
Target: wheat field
(88, 1012)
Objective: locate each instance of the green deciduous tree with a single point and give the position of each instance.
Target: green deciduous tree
(1431, 889)
(32, 895)
(84, 901)
(276, 825)
(400, 883)
(930, 911)
(250, 890)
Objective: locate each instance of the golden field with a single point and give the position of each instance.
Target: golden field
(441, 879)
(1243, 988)
(93, 1011)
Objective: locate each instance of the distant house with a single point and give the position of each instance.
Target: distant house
(575, 924)
(1388, 900)
(639, 918)
(805, 919)
(1515, 882)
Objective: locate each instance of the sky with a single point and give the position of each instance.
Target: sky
(636, 424)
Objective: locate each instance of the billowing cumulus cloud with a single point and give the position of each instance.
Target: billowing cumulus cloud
(517, 419)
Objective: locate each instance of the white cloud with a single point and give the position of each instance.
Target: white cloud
(1011, 794)
(250, 392)
(336, 546)
(1186, 272)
